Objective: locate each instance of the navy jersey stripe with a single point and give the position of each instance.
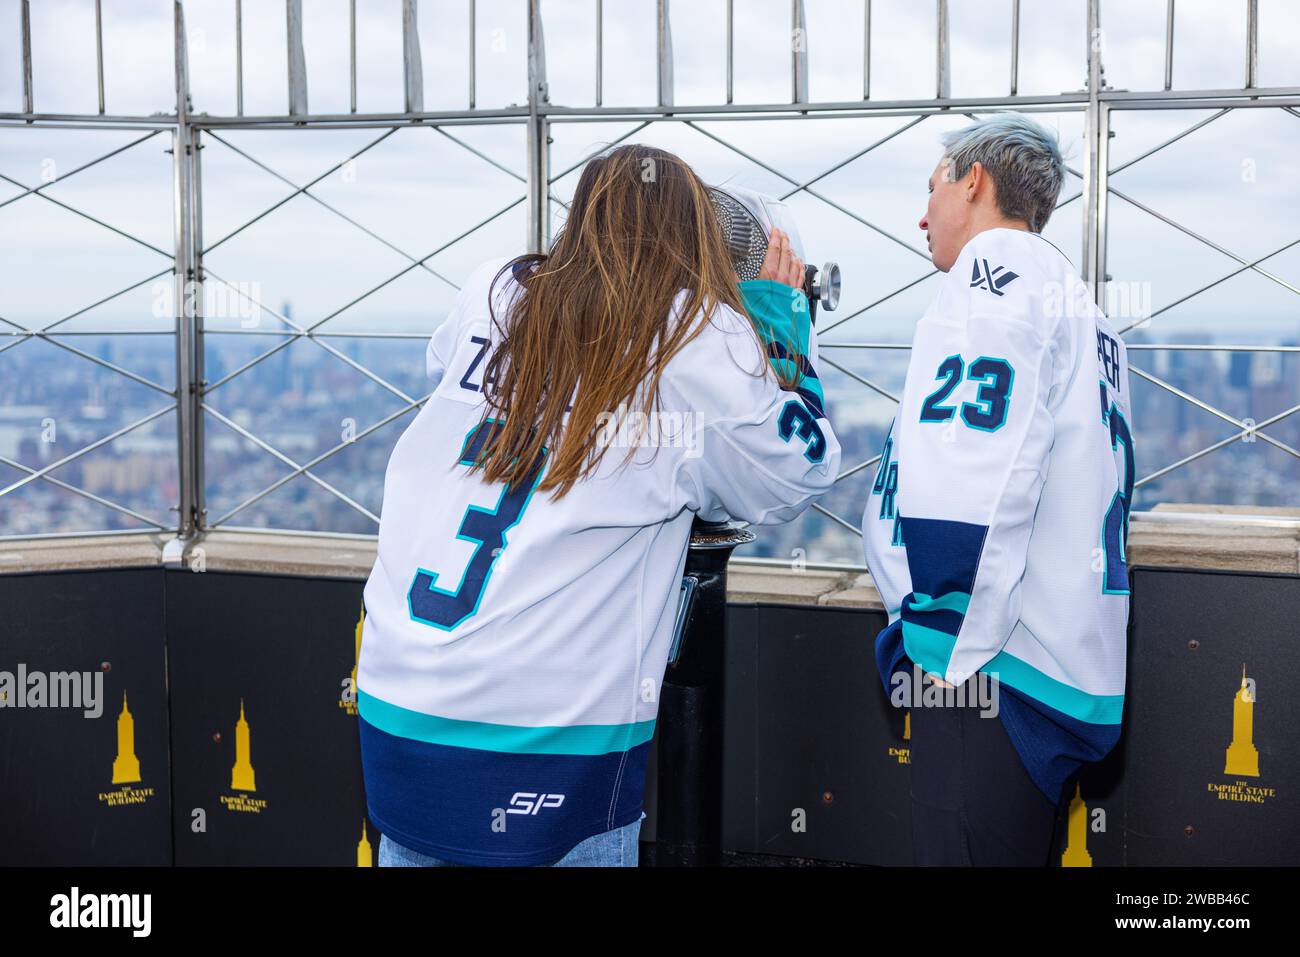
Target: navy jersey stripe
(1052, 745)
(496, 808)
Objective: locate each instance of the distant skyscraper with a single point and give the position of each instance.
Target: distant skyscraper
(1239, 370)
(282, 361)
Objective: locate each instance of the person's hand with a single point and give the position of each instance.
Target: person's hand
(781, 264)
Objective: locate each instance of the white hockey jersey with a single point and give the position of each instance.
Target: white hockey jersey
(514, 645)
(996, 528)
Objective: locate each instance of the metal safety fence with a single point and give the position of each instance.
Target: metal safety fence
(193, 400)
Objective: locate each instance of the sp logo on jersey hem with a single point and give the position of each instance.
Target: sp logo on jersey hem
(530, 802)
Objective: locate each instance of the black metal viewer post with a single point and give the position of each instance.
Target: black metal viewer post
(688, 825)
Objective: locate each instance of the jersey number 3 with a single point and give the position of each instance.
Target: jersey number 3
(486, 528)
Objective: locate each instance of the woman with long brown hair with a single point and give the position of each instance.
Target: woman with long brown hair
(587, 404)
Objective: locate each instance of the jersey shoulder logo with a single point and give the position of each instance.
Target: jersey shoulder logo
(991, 279)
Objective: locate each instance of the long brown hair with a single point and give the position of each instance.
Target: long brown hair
(591, 320)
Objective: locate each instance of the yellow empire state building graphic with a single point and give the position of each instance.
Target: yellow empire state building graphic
(365, 856)
(1242, 758)
(1076, 841)
(126, 766)
(348, 701)
(241, 775)
(361, 624)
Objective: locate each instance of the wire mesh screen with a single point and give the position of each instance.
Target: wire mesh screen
(220, 271)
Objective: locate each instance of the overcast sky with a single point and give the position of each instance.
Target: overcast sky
(1233, 181)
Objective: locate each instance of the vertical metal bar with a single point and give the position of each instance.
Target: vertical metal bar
(184, 408)
(866, 50)
(665, 54)
(197, 358)
(1015, 46)
(25, 18)
(186, 404)
(1252, 44)
(1169, 46)
(731, 45)
(798, 53)
(1095, 69)
(352, 67)
(297, 60)
(941, 67)
(181, 60)
(473, 51)
(538, 139)
(412, 68)
(600, 51)
(1092, 134)
(99, 53)
(1103, 198)
(239, 58)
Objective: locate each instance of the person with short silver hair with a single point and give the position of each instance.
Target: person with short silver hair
(997, 525)
(1010, 163)
(1023, 159)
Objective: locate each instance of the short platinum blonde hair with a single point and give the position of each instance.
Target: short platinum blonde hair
(1021, 156)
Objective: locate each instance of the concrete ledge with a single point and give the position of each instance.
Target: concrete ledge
(859, 593)
(785, 585)
(83, 552)
(328, 556)
(1229, 538)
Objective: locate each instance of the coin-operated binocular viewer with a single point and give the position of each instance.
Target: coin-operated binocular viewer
(688, 809)
(747, 219)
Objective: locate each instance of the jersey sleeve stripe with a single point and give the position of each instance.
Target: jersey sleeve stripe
(516, 739)
(943, 557)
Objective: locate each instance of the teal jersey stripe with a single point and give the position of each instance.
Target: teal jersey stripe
(815, 387)
(780, 312)
(1093, 708)
(781, 316)
(791, 368)
(515, 739)
(957, 601)
(932, 650)
(928, 647)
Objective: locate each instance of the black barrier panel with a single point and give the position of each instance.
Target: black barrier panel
(79, 789)
(1212, 775)
(815, 757)
(278, 782)
(810, 734)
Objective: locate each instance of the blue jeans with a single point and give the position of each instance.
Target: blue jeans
(616, 848)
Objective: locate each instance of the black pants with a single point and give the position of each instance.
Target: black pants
(973, 802)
